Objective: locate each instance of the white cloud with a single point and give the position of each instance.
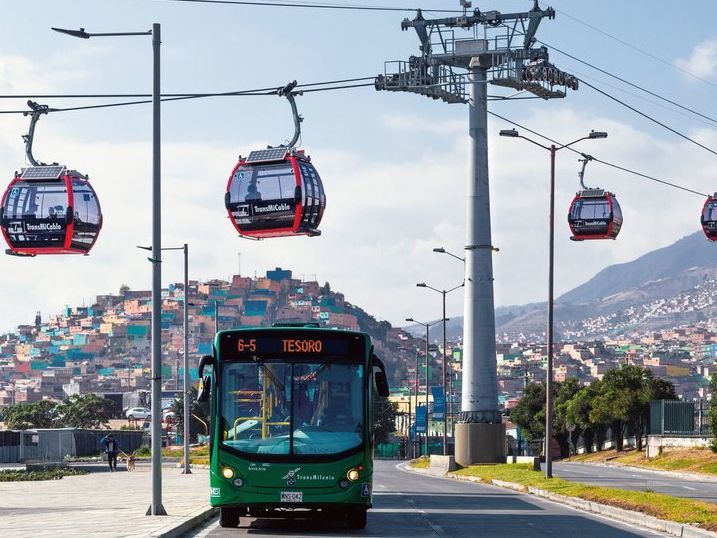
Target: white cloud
(702, 62)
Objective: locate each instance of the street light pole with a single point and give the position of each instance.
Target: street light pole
(451, 385)
(156, 508)
(427, 326)
(445, 392)
(185, 411)
(185, 388)
(415, 446)
(553, 149)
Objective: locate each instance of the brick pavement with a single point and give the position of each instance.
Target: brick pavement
(101, 503)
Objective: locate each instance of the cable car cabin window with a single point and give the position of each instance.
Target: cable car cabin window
(587, 209)
(34, 214)
(313, 194)
(710, 212)
(87, 219)
(616, 211)
(262, 197)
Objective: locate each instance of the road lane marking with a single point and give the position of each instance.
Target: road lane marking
(688, 487)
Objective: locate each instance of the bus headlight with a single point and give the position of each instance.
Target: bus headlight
(228, 473)
(352, 475)
(238, 482)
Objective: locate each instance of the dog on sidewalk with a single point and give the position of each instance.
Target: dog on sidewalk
(130, 459)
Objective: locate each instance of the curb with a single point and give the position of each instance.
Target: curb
(628, 516)
(178, 528)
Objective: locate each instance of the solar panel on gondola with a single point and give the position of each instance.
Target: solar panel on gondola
(267, 155)
(43, 172)
(276, 192)
(48, 209)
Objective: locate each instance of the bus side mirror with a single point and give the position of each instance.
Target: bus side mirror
(380, 377)
(205, 385)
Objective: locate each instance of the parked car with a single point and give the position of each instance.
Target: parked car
(138, 413)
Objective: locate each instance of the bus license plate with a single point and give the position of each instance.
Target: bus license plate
(292, 496)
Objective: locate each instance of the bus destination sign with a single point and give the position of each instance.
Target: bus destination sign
(290, 343)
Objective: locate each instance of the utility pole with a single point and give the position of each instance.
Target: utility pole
(480, 433)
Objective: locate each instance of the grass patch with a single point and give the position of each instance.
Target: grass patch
(659, 505)
(198, 455)
(424, 462)
(12, 475)
(695, 460)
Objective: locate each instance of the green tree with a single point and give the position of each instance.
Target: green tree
(712, 411)
(624, 401)
(84, 411)
(529, 413)
(564, 394)
(42, 414)
(197, 411)
(384, 418)
(577, 412)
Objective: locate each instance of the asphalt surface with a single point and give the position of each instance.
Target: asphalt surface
(410, 504)
(629, 478)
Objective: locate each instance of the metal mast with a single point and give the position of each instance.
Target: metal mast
(446, 65)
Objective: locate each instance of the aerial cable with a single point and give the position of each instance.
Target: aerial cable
(315, 5)
(595, 159)
(624, 81)
(647, 116)
(638, 49)
(259, 91)
(646, 99)
(183, 97)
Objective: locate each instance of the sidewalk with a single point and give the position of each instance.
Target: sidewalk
(104, 503)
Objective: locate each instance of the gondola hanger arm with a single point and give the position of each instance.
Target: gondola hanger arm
(288, 92)
(36, 111)
(586, 158)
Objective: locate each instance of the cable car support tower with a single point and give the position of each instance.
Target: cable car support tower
(500, 51)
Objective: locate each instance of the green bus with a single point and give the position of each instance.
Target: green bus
(291, 422)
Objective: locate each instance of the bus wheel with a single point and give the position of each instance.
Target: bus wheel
(356, 519)
(228, 517)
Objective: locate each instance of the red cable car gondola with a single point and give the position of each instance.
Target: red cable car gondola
(709, 218)
(594, 213)
(48, 209)
(276, 192)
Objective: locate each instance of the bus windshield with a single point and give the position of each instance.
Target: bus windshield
(292, 408)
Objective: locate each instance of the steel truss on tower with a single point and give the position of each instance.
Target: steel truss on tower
(494, 45)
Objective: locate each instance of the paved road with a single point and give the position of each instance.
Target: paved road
(408, 504)
(629, 478)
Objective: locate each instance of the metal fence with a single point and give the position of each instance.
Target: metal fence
(60, 444)
(678, 418)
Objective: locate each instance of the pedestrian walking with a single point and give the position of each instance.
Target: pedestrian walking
(111, 446)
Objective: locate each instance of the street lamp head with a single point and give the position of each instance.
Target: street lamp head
(421, 285)
(440, 249)
(410, 319)
(143, 248)
(512, 133)
(74, 33)
(597, 134)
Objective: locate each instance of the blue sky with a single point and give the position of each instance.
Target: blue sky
(383, 157)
